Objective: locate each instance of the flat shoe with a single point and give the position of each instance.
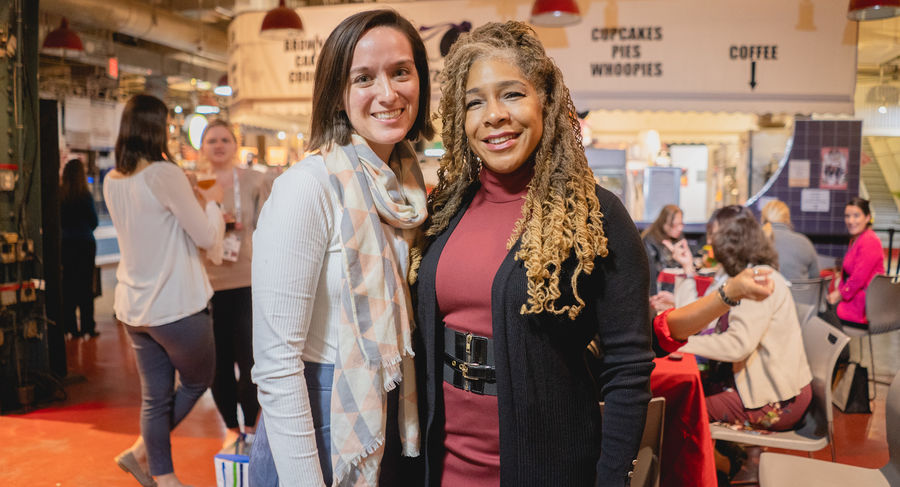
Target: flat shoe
(129, 464)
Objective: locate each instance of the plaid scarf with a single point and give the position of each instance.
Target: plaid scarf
(374, 341)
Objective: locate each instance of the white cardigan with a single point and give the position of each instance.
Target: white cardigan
(765, 346)
(296, 284)
(159, 225)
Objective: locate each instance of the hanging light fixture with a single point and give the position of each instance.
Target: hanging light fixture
(883, 95)
(63, 39)
(206, 105)
(281, 22)
(873, 9)
(223, 88)
(555, 13)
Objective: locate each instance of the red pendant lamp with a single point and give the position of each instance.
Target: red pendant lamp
(873, 9)
(555, 13)
(281, 22)
(63, 38)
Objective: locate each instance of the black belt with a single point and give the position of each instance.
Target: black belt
(469, 362)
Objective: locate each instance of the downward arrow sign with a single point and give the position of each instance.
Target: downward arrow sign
(752, 75)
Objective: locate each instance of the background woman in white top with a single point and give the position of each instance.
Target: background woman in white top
(330, 256)
(162, 290)
(245, 191)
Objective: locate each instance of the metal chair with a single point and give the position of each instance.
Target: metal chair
(823, 344)
(777, 469)
(826, 261)
(810, 292)
(647, 466)
(882, 311)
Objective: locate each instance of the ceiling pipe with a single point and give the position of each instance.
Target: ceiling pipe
(144, 22)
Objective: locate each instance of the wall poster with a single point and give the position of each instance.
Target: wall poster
(834, 168)
(798, 173)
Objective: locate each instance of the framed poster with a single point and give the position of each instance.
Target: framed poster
(798, 173)
(834, 168)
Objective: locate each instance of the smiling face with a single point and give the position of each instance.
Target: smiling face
(219, 147)
(504, 119)
(855, 219)
(382, 97)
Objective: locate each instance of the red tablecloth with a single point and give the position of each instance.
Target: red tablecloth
(702, 282)
(687, 452)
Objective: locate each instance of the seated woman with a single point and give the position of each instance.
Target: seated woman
(675, 325)
(796, 253)
(666, 229)
(770, 386)
(863, 261)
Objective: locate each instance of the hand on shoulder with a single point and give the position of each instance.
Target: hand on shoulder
(755, 284)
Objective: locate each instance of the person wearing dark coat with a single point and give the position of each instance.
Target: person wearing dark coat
(78, 219)
(525, 261)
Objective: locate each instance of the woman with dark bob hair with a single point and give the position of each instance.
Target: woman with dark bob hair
(526, 260)
(162, 290)
(331, 307)
(863, 261)
(770, 384)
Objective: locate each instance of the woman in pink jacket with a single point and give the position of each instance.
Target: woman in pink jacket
(863, 261)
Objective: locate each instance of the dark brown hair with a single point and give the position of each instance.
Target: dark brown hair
(739, 241)
(329, 119)
(656, 230)
(73, 183)
(142, 133)
(862, 204)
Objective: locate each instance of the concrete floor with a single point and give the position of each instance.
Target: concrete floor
(71, 443)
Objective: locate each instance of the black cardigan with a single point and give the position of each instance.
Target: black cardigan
(550, 423)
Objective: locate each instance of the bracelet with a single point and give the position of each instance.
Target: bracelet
(726, 299)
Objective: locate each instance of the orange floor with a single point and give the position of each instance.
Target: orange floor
(71, 443)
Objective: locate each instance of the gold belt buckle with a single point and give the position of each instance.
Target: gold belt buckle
(464, 368)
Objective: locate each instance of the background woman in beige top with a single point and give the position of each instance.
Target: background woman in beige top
(245, 191)
(769, 387)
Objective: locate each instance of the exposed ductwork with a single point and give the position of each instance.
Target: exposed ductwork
(145, 22)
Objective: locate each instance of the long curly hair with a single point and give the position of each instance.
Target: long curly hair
(561, 213)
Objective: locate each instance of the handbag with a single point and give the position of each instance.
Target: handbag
(851, 394)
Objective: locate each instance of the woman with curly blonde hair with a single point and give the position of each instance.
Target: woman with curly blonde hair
(525, 261)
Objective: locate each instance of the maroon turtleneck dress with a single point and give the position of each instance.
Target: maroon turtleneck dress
(465, 273)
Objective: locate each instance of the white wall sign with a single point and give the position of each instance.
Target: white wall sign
(91, 124)
(703, 55)
(815, 200)
(798, 173)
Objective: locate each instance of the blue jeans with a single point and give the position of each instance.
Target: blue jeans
(187, 346)
(318, 382)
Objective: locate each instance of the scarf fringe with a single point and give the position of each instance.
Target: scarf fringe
(390, 363)
(341, 473)
(392, 373)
